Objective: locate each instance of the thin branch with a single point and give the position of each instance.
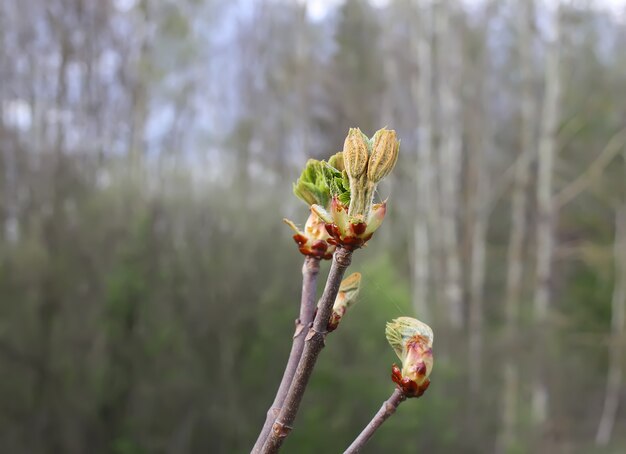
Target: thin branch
(568, 132)
(610, 151)
(310, 270)
(314, 343)
(386, 410)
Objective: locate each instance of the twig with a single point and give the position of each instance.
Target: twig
(568, 132)
(314, 343)
(310, 270)
(388, 408)
(594, 171)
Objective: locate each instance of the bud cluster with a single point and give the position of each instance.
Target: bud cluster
(340, 193)
(367, 162)
(412, 341)
(351, 223)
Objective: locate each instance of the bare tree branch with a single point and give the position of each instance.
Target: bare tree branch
(614, 146)
(310, 270)
(314, 343)
(386, 410)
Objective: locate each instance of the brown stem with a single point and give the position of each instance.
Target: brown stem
(310, 270)
(312, 347)
(388, 408)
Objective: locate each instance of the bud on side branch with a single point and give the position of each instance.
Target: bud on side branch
(412, 341)
(347, 296)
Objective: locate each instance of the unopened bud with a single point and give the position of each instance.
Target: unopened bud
(356, 153)
(384, 155)
(346, 297)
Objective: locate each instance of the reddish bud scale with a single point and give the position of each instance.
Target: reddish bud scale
(300, 239)
(335, 318)
(333, 323)
(348, 242)
(318, 248)
(358, 228)
(408, 386)
(333, 230)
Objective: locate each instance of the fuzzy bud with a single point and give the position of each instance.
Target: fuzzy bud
(356, 153)
(384, 155)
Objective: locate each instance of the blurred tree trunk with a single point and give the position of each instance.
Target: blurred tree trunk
(139, 93)
(9, 178)
(46, 421)
(479, 182)
(449, 134)
(422, 88)
(546, 214)
(515, 254)
(618, 331)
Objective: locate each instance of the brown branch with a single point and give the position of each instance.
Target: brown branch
(310, 270)
(313, 346)
(388, 408)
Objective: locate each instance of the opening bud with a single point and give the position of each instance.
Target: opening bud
(312, 186)
(348, 231)
(412, 341)
(336, 161)
(313, 240)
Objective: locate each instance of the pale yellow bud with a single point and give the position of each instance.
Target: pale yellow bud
(356, 153)
(384, 155)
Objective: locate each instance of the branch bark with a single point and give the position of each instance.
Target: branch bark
(388, 408)
(314, 343)
(310, 270)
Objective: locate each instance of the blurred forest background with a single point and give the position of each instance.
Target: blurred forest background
(148, 286)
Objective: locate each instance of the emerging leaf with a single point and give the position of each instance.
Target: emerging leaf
(312, 186)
